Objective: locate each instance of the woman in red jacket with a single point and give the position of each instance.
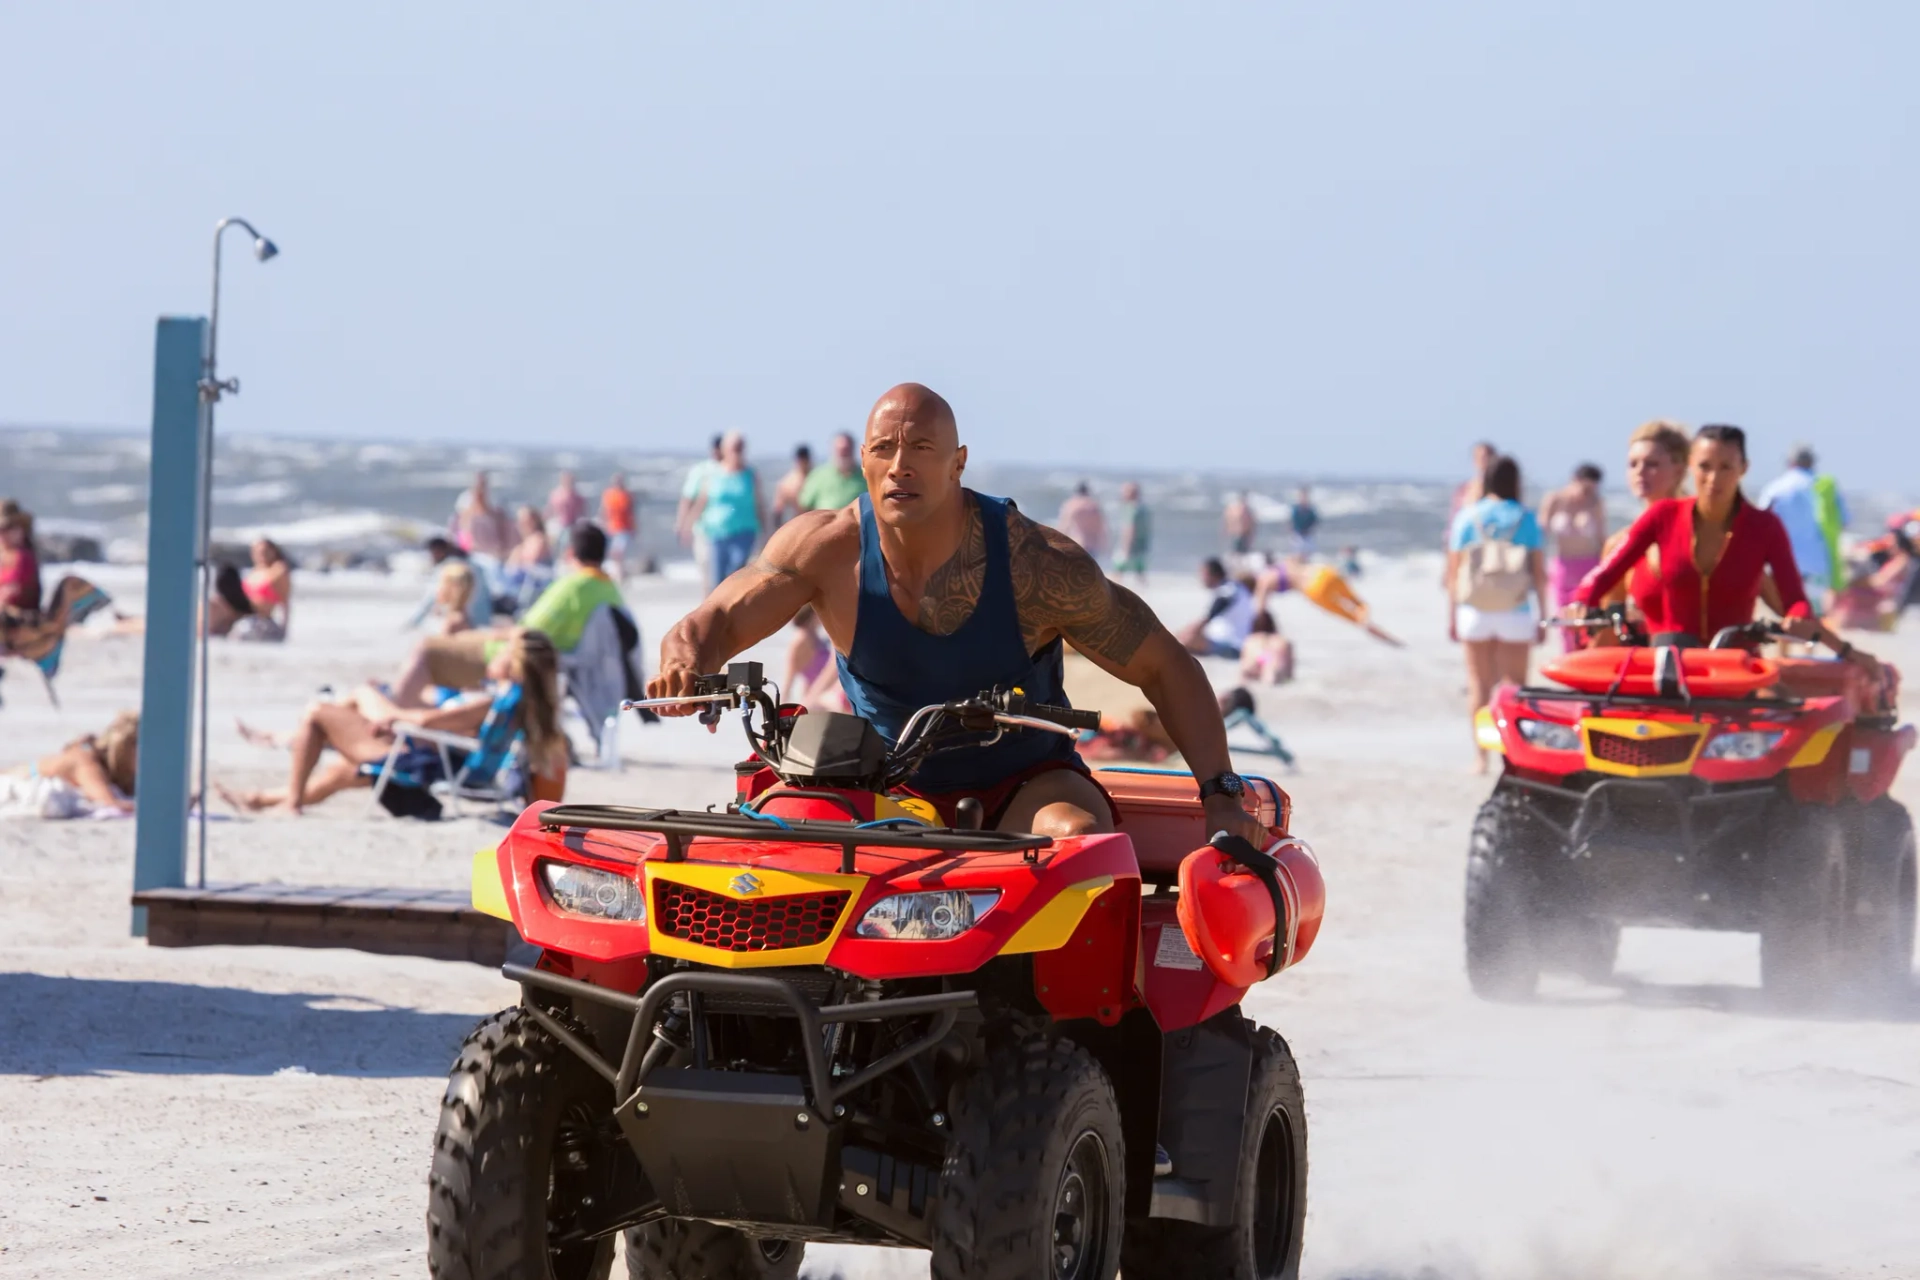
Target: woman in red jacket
(1715, 550)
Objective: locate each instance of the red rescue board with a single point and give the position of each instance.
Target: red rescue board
(1708, 673)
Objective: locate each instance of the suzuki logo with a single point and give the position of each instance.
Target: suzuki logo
(745, 883)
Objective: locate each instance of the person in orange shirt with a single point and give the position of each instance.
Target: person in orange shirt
(616, 517)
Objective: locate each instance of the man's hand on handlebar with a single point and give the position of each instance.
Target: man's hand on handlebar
(677, 681)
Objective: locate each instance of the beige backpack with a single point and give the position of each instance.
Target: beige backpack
(1493, 575)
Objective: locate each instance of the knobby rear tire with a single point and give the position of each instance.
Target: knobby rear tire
(1881, 900)
(1270, 1207)
(1803, 906)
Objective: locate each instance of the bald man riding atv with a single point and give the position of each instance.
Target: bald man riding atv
(931, 592)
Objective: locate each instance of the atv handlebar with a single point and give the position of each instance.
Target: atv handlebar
(1071, 718)
(1729, 637)
(938, 727)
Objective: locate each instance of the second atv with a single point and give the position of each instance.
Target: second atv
(818, 1015)
(1703, 788)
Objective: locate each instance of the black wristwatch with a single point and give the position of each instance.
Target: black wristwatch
(1224, 784)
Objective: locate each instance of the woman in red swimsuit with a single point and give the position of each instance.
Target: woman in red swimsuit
(1715, 551)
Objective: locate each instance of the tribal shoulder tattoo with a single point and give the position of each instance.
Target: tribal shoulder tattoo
(1060, 590)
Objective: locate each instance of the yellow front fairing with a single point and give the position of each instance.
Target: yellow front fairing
(1650, 738)
(745, 885)
(488, 894)
(1486, 733)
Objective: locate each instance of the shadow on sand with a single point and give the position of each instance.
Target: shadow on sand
(54, 1026)
(1722, 997)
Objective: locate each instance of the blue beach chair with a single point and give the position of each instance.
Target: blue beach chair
(431, 769)
(42, 638)
(1237, 710)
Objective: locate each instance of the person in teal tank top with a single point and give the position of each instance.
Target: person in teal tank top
(729, 509)
(929, 592)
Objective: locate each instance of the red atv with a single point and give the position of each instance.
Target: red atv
(1698, 789)
(817, 1014)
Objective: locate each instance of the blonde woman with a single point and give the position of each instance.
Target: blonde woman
(523, 682)
(1656, 470)
(453, 597)
(99, 768)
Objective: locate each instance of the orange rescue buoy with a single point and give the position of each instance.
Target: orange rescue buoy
(1228, 916)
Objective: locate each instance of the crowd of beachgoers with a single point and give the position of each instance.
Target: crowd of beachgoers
(527, 604)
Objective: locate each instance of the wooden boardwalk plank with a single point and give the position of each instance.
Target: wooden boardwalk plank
(436, 923)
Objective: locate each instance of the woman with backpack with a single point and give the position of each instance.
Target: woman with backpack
(1498, 580)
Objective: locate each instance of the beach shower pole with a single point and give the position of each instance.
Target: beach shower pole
(211, 389)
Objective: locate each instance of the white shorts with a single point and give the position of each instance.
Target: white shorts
(1514, 626)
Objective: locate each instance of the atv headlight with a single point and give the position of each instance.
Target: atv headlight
(589, 891)
(1747, 744)
(927, 917)
(1550, 736)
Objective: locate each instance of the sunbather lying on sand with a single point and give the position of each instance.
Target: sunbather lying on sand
(92, 773)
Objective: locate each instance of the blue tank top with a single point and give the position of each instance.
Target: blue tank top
(896, 668)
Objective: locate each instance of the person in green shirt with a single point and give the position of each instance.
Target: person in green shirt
(833, 486)
(460, 661)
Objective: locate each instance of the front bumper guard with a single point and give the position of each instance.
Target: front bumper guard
(759, 1150)
(825, 1091)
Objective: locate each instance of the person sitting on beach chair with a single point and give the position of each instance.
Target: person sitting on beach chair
(364, 728)
(258, 604)
(561, 613)
(40, 636)
(19, 559)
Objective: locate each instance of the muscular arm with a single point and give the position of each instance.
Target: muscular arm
(750, 605)
(1060, 590)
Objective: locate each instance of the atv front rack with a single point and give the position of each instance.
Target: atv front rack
(680, 828)
(827, 1091)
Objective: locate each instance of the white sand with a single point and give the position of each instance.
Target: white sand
(266, 1111)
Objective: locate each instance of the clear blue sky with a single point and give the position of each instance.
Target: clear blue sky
(1339, 238)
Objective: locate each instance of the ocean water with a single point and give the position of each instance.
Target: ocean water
(350, 495)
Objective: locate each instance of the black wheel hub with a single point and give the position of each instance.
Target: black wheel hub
(1080, 1211)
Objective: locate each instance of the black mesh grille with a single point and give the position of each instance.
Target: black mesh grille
(1642, 753)
(746, 924)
